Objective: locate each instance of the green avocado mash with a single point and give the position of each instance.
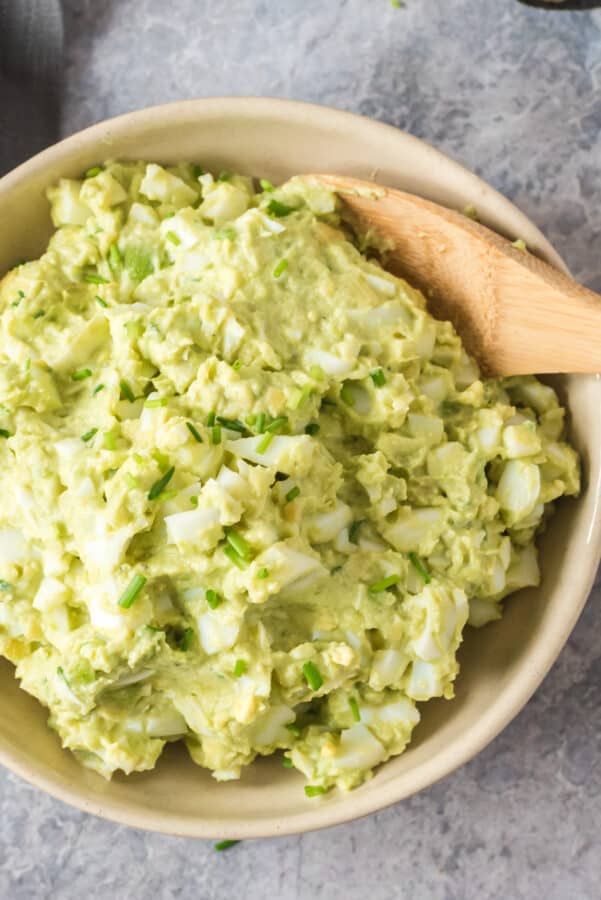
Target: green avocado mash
(252, 492)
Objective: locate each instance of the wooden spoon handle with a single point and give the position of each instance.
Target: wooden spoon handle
(516, 314)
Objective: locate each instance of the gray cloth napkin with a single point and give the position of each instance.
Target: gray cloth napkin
(31, 44)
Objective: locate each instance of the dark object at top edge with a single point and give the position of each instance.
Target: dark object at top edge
(564, 5)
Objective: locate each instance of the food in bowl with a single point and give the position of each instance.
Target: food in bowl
(253, 491)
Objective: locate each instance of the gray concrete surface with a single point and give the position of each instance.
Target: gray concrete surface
(513, 93)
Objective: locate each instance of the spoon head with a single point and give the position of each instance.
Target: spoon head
(514, 313)
(439, 251)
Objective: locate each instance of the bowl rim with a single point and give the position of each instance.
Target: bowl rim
(541, 657)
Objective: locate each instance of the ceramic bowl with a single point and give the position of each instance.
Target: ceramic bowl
(501, 665)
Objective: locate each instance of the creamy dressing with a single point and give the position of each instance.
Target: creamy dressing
(252, 492)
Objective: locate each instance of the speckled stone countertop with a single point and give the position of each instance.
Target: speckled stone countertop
(515, 94)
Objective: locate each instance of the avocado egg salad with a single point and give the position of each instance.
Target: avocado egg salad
(252, 492)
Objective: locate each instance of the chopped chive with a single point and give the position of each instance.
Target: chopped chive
(172, 236)
(131, 592)
(420, 568)
(263, 573)
(347, 395)
(93, 171)
(314, 790)
(312, 428)
(225, 234)
(108, 441)
(4, 433)
(89, 435)
(293, 728)
(265, 442)
(81, 374)
(97, 389)
(450, 407)
(239, 543)
(161, 460)
(197, 170)
(237, 365)
(292, 494)
(280, 268)
(155, 402)
(277, 424)
(215, 434)
(93, 278)
(383, 584)
(225, 845)
(213, 598)
(186, 639)
(39, 314)
(250, 420)
(100, 301)
(352, 702)
(138, 262)
(278, 209)
(126, 391)
(378, 377)
(194, 501)
(5, 585)
(235, 557)
(301, 396)
(287, 762)
(194, 432)
(224, 175)
(317, 373)
(354, 529)
(115, 259)
(211, 419)
(131, 481)
(266, 185)
(169, 215)
(312, 675)
(240, 668)
(232, 424)
(159, 486)
(260, 423)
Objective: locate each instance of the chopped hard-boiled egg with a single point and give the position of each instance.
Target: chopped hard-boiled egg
(252, 492)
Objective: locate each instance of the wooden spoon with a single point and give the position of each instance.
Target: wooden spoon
(515, 314)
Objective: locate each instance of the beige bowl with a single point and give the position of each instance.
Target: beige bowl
(501, 665)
